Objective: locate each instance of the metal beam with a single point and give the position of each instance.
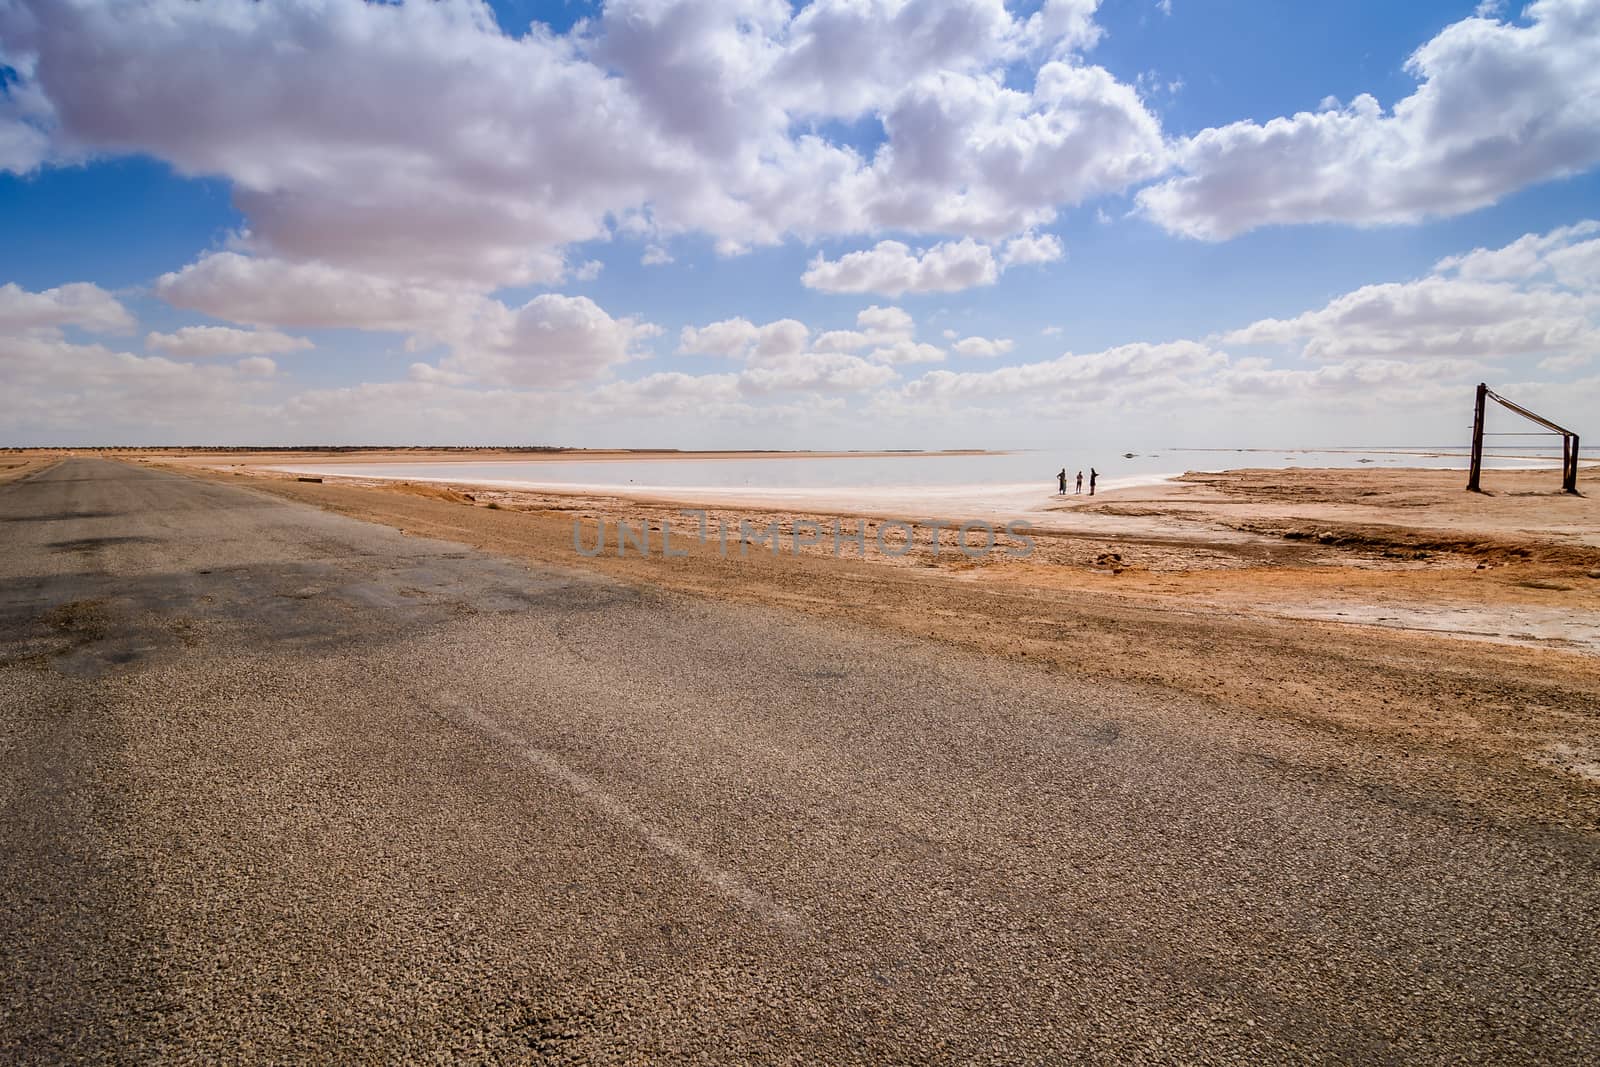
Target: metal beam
(1525, 413)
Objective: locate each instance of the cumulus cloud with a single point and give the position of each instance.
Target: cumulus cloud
(816, 373)
(742, 339)
(260, 366)
(420, 143)
(810, 374)
(1031, 248)
(1129, 366)
(1564, 253)
(268, 292)
(982, 347)
(88, 393)
(550, 341)
(22, 147)
(887, 331)
(1532, 297)
(885, 321)
(846, 59)
(1382, 348)
(1432, 317)
(80, 304)
(968, 154)
(1499, 107)
(407, 138)
(907, 352)
(198, 342)
(1569, 362)
(894, 268)
(1416, 345)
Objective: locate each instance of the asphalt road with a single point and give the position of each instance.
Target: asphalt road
(281, 786)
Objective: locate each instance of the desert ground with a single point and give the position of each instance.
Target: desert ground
(1449, 624)
(1254, 764)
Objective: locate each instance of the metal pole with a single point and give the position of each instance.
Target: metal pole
(1571, 485)
(1477, 441)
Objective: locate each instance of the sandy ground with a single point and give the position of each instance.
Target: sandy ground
(15, 466)
(1453, 632)
(1401, 549)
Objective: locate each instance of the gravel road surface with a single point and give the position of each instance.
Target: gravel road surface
(281, 786)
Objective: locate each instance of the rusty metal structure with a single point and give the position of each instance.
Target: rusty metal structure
(1569, 440)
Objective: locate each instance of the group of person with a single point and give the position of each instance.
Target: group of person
(1094, 476)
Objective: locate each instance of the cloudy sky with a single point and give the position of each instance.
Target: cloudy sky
(843, 223)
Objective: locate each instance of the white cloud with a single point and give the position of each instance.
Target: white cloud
(982, 347)
(907, 352)
(875, 327)
(273, 292)
(1560, 251)
(418, 142)
(788, 356)
(732, 338)
(1499, 107)
(1562, 364)
(1532, 297)
(894, 268)
(845, 59)
(1413, 347)
(548, 342)
(1031, 248)
(588, 271)
(1130, 367)
(429, 374)
(816, 373)
(198, 342)
(1577, 266)
(22, 147)
(655, 256)
(551, 340)
(92, 394)
(966, 154)
(742, 339)
(885, 321)
(260, 366)
(1433, 317)
(80, 304)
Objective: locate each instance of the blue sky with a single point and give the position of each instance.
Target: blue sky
(1126, 217)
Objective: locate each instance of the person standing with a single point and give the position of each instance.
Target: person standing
(1094, 476)
(1062, 479)
(1079, 489)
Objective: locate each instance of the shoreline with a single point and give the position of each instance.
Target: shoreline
(467, 454)
(948, 501)
(1380, 547)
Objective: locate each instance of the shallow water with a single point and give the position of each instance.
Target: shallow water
(1020, 471)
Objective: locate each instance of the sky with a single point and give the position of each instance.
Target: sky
(836, 224)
